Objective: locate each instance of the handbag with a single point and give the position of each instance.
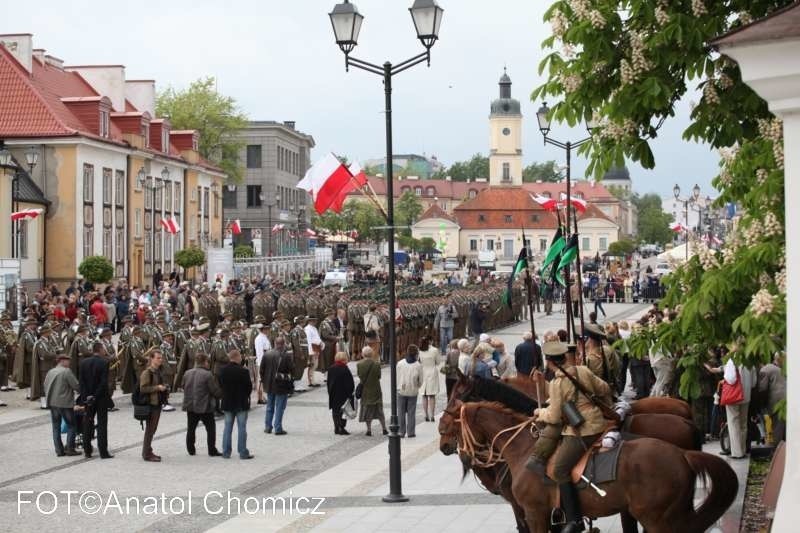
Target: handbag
(360, 389)
(732, 394)
(349, 408)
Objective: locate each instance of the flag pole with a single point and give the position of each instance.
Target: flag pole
(579, 277)
(370, 195)
(529, 284)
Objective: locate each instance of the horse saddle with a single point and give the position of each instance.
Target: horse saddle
(598, 464)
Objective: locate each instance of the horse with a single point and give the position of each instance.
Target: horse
(655, 480)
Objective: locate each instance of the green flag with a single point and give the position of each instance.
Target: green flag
(569, 253)
(519, 266)
(556, 245)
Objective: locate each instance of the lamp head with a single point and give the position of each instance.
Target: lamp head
(165, 174)
(427, 17)
(346, 22)
(32, 157)
(696, 192)
(676, 190)
(543, 116)
(6, 161)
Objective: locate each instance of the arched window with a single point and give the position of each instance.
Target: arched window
(578, 195)
(473, 193)
(418, 191)
(430, 191)
(547, 194)
(405, 189)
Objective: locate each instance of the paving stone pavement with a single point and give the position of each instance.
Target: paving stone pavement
(201, 493)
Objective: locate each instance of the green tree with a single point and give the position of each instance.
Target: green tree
(620, 193)
(242, 251)
(356, 215)
(407, 211)
(547, 172)
(653, 222)
(97, 269)
(190, 257)
(622, 247)
(216, 117)
(474, 168)
(427, 244)
(626, 64)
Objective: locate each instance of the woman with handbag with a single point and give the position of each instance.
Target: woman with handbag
(369, 390)
(340, 392)
(736, 392)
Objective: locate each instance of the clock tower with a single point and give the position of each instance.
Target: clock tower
(505, 131)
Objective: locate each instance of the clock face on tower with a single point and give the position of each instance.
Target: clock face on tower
(506, 131)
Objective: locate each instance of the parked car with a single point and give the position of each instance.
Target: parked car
(451, 263)
(662, 269)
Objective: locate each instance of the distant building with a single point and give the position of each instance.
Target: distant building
(420, 166)
(275, 156)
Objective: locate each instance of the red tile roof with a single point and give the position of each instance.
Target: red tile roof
(434, 211)
(588, 190)
(492, 206)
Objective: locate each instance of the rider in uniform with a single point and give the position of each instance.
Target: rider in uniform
(565, 400)
(600, 358)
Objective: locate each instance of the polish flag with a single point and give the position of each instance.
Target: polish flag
(277, 227)
(546, 203)
(174, 228)
(358, 180)
(578, 203)
(677, 227)
(310, 232)
(27, 213)
(236, 227)
(327, 180)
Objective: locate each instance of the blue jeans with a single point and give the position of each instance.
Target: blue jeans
(276, 405)
(241, 429)
(56, 414)
(445, 336)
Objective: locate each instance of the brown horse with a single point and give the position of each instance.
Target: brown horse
(655, 480)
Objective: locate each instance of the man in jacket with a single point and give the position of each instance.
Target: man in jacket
(60, 386)
(236, 387)
(199, 390)
(96, 400)
(527, 355)
(315, 347)
(477, 318)
(276, 371)
(444, 321)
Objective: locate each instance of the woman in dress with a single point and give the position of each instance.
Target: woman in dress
(340, 390)
(369, 376)
(431, 360)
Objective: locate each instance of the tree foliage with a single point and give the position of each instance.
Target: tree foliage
(476, 167)
(356, 215)
(190, 257)
(97, 269)
(652, 222)
(216, 117)
(621, 247)
(242, 251)
(627, 63)
(546, 172)
(407, 211)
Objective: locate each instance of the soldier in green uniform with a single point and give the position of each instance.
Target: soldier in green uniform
(169, 367)
(110, 354)
(182, 335)
(329, 335)
(81, 348)
(8, 344)
(600, 357)
(24, 355)
(125, 336)
(197, 344)
(44, 358)
(221, 346)
(299, 342)
(136, 360)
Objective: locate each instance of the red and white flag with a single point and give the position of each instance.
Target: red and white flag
(677, 227)
(277, 227)
(329, 182)
(236, 227)
(713, 241)
(27, 213)
(547, 203)
(310, 232)
(578, 203)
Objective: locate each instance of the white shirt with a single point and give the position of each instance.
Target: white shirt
(463, 362)
(312, 335)
(262, 345)
(409, 378)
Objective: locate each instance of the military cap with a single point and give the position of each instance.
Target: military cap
(138, 329)
(240, 324)
(277, 314)
(227, 313)
(593, 331)
(185, 320)
(299, 318)
(106, 331)
(223, 331)
(285, 323)
(83, 327)
(554, 349)
(46, 328)
(63, 355)
(310, 318)
(202, 326)
(31, 322)
(259, 319)
(5, 317)
(168, 334)
(127, 318)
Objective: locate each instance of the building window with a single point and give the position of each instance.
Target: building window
(195, 144)
(472, 193)
(481, 218)
(509, 219)
(88, 183)
(542, 245)
(418, 191)
(120, 245)
(147, 248)
(159, 195)
(578, 195)
(547, 194)
(228, 199)
(473, 245)
(168, 248)
(148, 195)
(164, 139)
(107, 186)
(119, 188)
(22, 227)
(107, 245)
(280, 158)
(603, 244)
(157, 246)
(146, 134)
(585, 244)
(168, 196)
(137, 223)
(216, 205)
(253, 156)
(104, 129)
(254, 196)
(88, 241)
(404, 190)
(431, 191)
(534, 218)
(205, 202)
(178, 198)
(506, 171)
(176, 243)
(490, 244)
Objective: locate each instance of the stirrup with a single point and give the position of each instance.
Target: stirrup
(558, 517)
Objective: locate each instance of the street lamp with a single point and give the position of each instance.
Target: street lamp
(8, 165)
(543, 117)
(693, 199)
(270, 205)
(346, 22)
(151, 186)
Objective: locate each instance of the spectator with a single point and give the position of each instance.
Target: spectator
(505, 365)
(737, 413)
(236, 386)
(431, 359)
(369, 375)
(60, 386)
(599, 296)
(409, 381)
(96, 400)
(340, 390)
(772, 382)
(477, 318)
(464, 356)
(527, 355)
(276, 370)
(199, 390)
(151, 384)
(444, 321)
(98, 311)
(262, 346)
(477, 364)
(450, 369)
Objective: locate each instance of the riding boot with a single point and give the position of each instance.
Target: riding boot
(572, 508)
(536, 465)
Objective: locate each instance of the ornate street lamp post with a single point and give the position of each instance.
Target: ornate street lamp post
(346, 22)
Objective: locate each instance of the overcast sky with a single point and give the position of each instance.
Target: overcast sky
(280, 62)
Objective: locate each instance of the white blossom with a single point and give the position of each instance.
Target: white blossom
(710, 93)
(762, 303)
(780, 281)
(661, 16)
(699, 8)
(559, 23)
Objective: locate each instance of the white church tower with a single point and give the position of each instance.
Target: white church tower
(505, 131)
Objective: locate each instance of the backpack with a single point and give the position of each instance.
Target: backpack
(141, 405)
